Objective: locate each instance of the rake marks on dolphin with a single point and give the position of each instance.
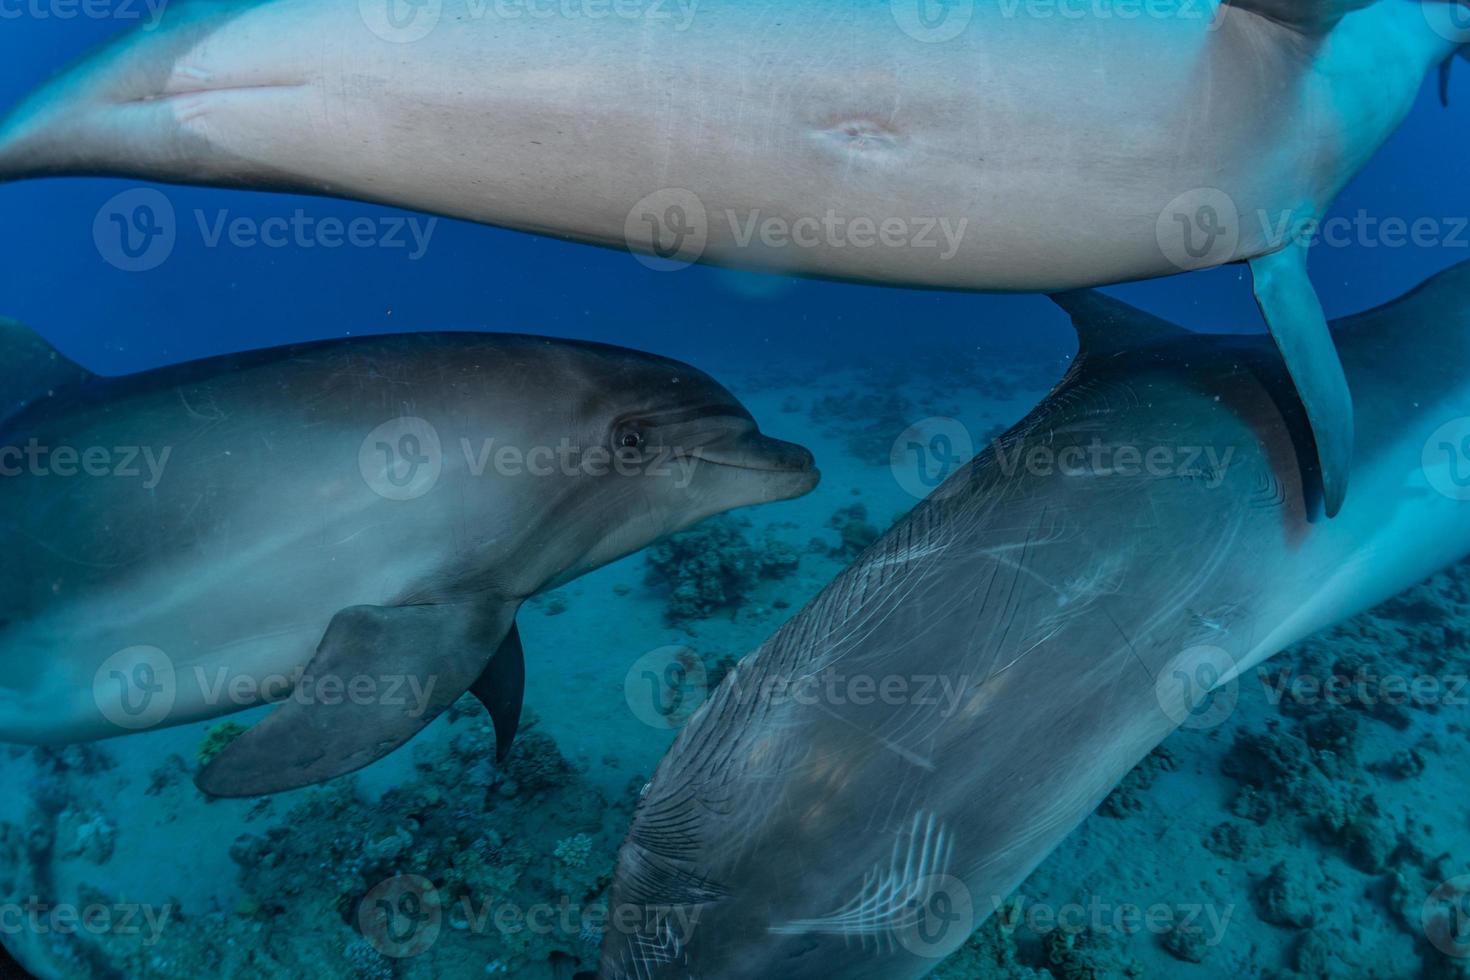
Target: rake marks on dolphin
(889, 896)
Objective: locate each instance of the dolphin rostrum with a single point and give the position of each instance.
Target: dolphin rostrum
(917, 739)
(347, 527)
(1001, 145)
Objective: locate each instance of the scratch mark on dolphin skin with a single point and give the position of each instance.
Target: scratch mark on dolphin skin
(890, 897)
(859, 135)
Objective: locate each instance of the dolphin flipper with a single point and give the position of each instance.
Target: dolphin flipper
(501, 688)
(1299, 327)
(421, 658)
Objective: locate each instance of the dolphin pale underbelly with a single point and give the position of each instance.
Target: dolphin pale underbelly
(346, 527)
(965, 146)
(1030, 623)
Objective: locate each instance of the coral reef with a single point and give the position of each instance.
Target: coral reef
(854, 532)
(714, 567)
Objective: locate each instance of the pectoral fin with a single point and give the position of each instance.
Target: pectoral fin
(379, 676)
(502, 688)
(1299, 327)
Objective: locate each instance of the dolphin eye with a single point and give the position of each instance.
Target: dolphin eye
(630, 439)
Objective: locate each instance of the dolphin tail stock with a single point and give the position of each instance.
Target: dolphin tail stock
(420, 658)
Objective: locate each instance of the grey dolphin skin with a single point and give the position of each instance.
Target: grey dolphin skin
(347, 527)
(902, 753)
(999, 145)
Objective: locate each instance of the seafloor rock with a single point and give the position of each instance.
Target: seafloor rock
(516, 878)
(854, 532)
(1282, 901)
(714, 567)
(1127, 797)
(86, 833)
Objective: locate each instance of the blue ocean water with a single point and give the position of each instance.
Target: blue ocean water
(138, 829)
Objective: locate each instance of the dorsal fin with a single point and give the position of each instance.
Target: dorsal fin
(1311, 17)
(1106, 326)
(30, 368)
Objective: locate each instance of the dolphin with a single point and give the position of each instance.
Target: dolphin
(911, 745)
(346, 527)
(992, 145)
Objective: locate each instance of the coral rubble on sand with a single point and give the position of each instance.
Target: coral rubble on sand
(715, 566)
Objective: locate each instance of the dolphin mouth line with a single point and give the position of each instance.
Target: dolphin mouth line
(697, 454)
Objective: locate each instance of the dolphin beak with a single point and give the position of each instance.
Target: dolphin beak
(752, 450)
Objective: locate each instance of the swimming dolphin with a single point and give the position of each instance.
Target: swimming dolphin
(995, 145)
(347, 527)
(916, 740)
